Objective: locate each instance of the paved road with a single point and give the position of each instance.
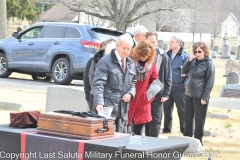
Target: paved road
(28, 84)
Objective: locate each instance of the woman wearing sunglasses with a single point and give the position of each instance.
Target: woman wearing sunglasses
(201, 74)
(140, 108)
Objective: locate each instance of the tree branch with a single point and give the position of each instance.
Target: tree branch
(147, 13)
(87, 12)
(138, 5)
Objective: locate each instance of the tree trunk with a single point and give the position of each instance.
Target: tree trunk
(121, 26)
(193, 38)
(3, 19)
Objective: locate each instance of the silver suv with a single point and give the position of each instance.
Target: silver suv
(58, 51)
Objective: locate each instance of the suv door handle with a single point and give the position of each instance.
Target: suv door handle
(56, 43)
(31, 43)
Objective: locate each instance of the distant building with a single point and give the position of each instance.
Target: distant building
(16, 25)
(67, 15)
(183, 20)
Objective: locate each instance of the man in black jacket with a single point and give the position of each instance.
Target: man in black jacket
(165, 76)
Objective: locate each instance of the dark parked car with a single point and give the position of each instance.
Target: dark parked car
(52, 50)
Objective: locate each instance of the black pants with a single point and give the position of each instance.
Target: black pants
(152, 128)
(176, 96)
(120, 125)
(194, 110)
(138, 129)
(90, 102)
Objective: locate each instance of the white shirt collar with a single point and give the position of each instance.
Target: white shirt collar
(135, 41)
(118, 57)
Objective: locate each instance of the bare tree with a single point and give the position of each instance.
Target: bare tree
(3, 19)
(216, 16)
(93, 21)
(121, 12)
(160, 19)
(193, 22)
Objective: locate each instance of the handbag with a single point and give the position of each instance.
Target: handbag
(27, 119)
(154, 88)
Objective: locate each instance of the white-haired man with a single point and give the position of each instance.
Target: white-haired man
(139, 34)
(114, 82)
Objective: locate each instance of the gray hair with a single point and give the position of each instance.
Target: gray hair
(139, 30)
(178, 39)
(126, 38)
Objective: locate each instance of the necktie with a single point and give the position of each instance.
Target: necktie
(123, 65)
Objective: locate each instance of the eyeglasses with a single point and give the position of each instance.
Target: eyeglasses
(197, 52)
(144, 56)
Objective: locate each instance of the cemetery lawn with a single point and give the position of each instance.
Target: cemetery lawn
(220, 80)
(226, 145)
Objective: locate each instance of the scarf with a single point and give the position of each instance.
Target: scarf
(142, 70)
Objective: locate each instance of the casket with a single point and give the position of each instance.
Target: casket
(68, 125)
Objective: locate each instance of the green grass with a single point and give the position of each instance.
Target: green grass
(227, 125)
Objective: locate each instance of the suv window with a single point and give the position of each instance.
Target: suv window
(33, 33)
(53, 32)
(72, 33)
(103, 34)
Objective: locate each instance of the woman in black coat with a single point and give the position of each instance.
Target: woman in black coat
(104, 48)
(201, 74)
(87, 85)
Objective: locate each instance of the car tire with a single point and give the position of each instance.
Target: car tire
(45, 78)
(61, 72)
(4, 71)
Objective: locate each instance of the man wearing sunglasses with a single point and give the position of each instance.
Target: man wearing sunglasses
(177, 57)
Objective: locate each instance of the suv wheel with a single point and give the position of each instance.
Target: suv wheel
(42, 78)
(61, 72)
(4, 71)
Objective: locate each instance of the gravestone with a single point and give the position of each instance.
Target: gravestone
(232, 66)
(221, 116)
(238, 52)
(233, 50)
(225, 40)
(66, 98)
(210, 134)
(232, 78)
(230, 90)
(160, 44)
(165, 47)
(225, 52)
(213, 54)
(215, 48)
(10, 106)
(212, 43)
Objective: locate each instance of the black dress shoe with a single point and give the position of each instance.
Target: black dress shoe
(164, 132)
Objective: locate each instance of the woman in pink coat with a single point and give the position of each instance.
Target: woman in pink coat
(140, 108)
